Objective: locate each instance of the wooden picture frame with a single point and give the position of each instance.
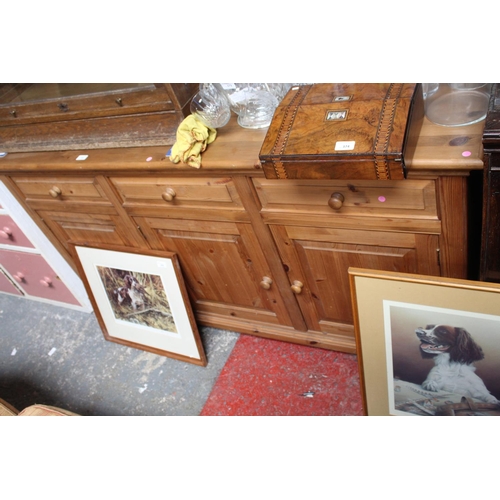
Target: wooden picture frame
(140, 300)
(398, 346)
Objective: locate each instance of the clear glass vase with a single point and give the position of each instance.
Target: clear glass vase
(254, 103)
(210, 106)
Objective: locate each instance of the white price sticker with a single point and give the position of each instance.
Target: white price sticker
(344, 145)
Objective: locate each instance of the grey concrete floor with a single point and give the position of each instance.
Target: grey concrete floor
(58, 356)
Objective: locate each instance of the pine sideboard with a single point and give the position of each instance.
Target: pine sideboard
(259, 256)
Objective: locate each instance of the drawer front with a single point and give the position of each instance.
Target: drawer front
(61, 102)
(35, 277)
(170, 193)
(38, 190)
(6, 286)
(11, 234)
(405, 198)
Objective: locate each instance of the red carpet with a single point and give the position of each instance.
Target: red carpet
(268, 377)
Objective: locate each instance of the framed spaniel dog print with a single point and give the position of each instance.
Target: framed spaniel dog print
(426, 345)
(140, 300)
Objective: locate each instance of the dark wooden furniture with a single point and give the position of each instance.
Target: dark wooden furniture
(490, 241)
(61, 116)
(267, 257)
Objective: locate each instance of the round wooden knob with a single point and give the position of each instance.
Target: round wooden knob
(46, 282)
(297, 287)
(336, 201)
(6, 233)
(169, 194)
(266, 283)
(55, 192)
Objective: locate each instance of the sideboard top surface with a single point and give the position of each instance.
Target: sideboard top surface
(448, 148)
(236, 150)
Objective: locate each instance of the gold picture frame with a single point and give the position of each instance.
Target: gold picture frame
(394, 316)
(140, 300)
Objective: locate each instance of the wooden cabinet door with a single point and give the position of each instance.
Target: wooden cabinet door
(317, 262)
(224, 269)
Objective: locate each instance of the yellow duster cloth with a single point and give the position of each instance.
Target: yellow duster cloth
(192, 139)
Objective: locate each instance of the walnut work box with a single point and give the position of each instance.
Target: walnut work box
(343, 131)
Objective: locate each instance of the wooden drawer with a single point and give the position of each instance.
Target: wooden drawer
(56, 190)
(44, 102)
(340, 199)
(146, 196)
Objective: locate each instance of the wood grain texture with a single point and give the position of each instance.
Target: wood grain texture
(304, 136)
(441, 149)
(47, 117)
(222, 264)
(320, 259)
(452, 196)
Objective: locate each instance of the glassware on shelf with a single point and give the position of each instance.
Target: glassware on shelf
(210, 106)
(254, 103)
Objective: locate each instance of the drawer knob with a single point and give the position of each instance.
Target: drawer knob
(266, 283)
(6, 233)
(46, 282)
(297, 287)
(55, 192)
(19, 277)
(169, 194)
(336, 201)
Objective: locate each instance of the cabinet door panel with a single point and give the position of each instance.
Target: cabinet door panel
(223, 267)
(321, 266)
